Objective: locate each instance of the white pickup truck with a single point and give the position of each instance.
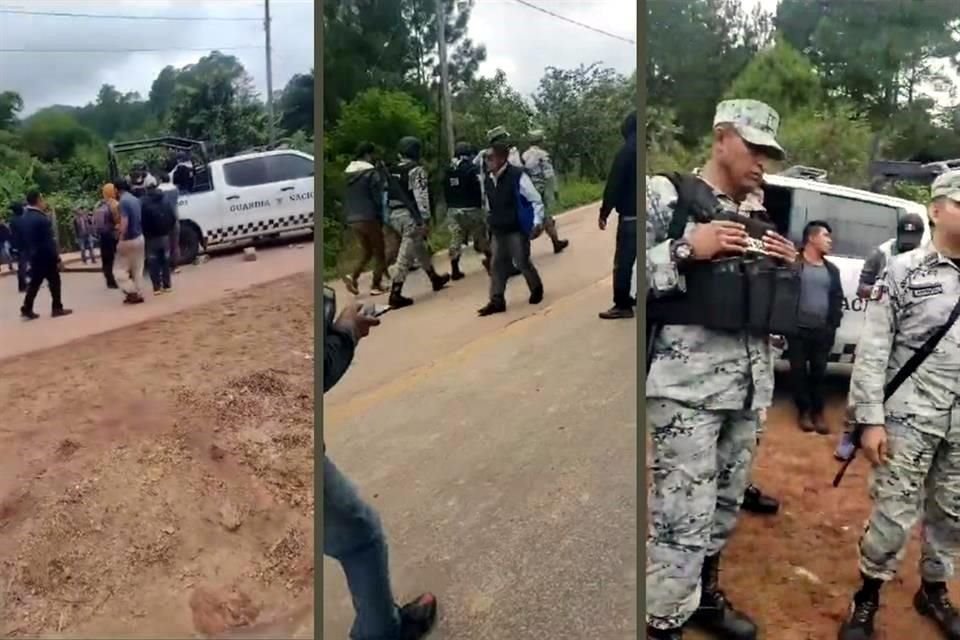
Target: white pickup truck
(861, 221)
(248, 197)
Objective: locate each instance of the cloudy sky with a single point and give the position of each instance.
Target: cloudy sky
(519, 39)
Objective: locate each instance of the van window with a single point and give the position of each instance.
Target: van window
(858, 226)
(246, 173)
(287, 166)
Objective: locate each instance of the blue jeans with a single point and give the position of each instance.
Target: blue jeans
(87, 244)
(352, 534)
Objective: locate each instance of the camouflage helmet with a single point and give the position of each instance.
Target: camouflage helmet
(536, 136)
(497, 134)
(409, 147)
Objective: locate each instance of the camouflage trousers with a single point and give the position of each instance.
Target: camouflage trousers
(701, 467)
(921, 480)
(413, 246)
(549, 224)
(467, 223)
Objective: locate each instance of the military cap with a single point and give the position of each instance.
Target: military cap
(497, 133)
(755, 121)
(947, 185)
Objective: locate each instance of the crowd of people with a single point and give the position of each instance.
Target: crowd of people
(498, 198)
(708, 388)
(134, 226)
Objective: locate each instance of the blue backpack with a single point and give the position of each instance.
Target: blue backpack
(524, 208)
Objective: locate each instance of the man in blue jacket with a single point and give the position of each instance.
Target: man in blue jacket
(43, 256)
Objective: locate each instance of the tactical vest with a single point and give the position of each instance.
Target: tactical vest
(750, 292)
(536, 172)
(399, 192)
(462, 186)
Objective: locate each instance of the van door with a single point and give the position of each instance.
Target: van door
(292, 177)
(859, 227)
(247, 197)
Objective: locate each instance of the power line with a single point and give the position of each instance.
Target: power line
(572, 21)
(135, 50)
(68, 14)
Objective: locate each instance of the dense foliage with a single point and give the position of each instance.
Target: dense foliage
(852, 80)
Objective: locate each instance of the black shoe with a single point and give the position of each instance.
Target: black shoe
(560, 245)
(112, 285)
(536, 296)
(859, 622)
(616, 313)
(806, 423)
(755, 502)
(455, 273)
(418, 617)
(397, 301)
(28, 315)
(59, 313)
(439, 282)
(820, 425)
(716, 615)
(934, 603)
(664, 634)
(492, 308)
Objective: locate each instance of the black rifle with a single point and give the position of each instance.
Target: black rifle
(399, 191)
(898, 379)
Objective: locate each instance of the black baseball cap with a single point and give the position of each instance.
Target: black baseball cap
(910, 224)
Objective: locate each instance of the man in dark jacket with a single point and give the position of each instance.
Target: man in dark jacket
(158, 219)
(819, 316)
(363, 205)
(621, 194)
(352, 533)
(40, 245)
(514, 217)
(18, 244)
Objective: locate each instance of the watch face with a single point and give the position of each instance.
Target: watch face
(682, 251)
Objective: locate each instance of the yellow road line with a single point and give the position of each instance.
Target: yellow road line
(343, 411)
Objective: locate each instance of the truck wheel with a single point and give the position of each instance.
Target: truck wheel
(189, 244)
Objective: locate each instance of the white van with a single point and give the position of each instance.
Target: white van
(245, 198)
(861, 221)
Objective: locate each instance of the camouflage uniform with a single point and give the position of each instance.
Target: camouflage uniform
(919, 480)
(705, 391)
(916, 293)
(413, 246)
(539, 167)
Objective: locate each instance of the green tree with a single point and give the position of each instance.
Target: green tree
(10, 105)
(782, 78)
(54, 136)
(296, 104)
(484, 103)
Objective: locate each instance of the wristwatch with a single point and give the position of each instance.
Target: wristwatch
(681, 251)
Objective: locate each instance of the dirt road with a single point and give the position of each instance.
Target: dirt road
(797, 571)
(501, 452)
(156, 480)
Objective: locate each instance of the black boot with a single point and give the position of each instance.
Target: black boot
(397, 301)
(438, 282)
(932, 601)
(863, 610)
(755, 502)
(664, 634)
(560, 245)
(716, 615)
(455, 273)
(417, 618)
(536, 295)
(492, 307)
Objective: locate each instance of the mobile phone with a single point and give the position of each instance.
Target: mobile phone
(329, 305)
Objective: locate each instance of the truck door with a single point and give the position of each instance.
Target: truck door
(247, 197)
(291, 175)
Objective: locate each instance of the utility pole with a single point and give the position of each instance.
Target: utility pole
(266, 29)
(444, 75)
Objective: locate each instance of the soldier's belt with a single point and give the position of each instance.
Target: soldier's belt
(752, 294)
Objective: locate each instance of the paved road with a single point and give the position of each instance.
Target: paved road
(501, 452)
(98, 309)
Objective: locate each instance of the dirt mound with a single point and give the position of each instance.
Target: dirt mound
(165, 468)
